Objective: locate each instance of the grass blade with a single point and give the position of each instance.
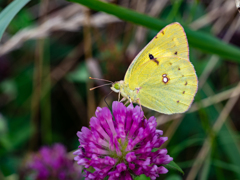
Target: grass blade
(197, 39)
(173, 165)
(9, 12)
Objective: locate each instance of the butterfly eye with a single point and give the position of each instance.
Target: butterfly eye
(116, 86)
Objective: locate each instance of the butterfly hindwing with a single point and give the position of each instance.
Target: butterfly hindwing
(168, 87)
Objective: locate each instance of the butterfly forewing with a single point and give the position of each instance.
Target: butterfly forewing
(168, 42)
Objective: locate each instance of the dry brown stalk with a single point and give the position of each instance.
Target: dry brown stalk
(216, 127)
(37, 83)
(87, 40)
(217, 98)
(55, 23)
(222, 117)
(220, 11)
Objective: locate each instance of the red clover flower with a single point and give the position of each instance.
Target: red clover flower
(51, 163)
(121, 148)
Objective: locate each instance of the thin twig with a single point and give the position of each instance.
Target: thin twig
(37, 83)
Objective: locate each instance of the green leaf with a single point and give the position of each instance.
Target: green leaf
(178, 148)
(174, 177)
(9, 87)
(22, 20)
(205, 171)
(80, 74)
(197, 39)
(230, 145)
(3, 126)
(227, 166)
(19, 132)
(8, 165)
(142, 177)
(9, 12)
(173, 165)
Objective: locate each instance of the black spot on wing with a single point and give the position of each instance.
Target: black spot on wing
(151, 56)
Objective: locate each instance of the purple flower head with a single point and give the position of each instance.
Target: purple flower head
(121, 147)
(51, 163)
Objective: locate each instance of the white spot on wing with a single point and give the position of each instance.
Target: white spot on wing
(165, 79)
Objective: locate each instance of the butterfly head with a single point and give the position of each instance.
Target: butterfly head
(116, 86)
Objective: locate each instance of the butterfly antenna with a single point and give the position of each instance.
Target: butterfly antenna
(106, 98)
(100, 86)
(100, 79)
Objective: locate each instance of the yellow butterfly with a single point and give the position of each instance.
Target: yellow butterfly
(161, 77)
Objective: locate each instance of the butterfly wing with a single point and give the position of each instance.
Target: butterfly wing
(166, 43)
(167, 80)
(168, 87)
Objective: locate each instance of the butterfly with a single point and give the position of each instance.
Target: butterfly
(161, 77)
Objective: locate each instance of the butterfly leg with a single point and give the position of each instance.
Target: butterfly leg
(141, 107)
(119, 95)
(123, 99)
(126, 102)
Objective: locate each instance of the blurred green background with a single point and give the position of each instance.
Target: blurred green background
(51, 47)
